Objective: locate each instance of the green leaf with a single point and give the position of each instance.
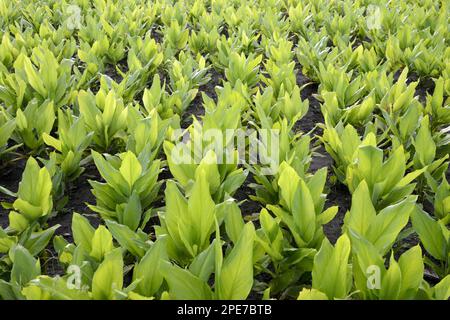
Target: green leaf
(330, 268)
(442, 289)
(58, 289)
(17, 222)
(101, 243)
(412, 268)
(209, 165)
(366, 260)
(108, 277)
(50, 141)
(311, 294)
(303, 211)
(126, 238)
(183, 172)
(203, 265)
(236, 274)
(132, 212)
(431, 234)
(370, 160)
(130, 168)
(233, 221)
(38, 241)
(391, 281)
(288, 183)
(388, 223)
(176, 207)
(148, 270)
(362, 212)
(183, 285)
(33, 77)
(112, 176)
(201, 210)
(25, 267)
(394, 169)
(424, 145)
(82, 232)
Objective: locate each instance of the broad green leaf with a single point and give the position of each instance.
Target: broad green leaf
(49, 140)
(148, 269)
(181, 168)
(211, 170)
(127, 238)
(412, 268)
(370, 160)
(288, 183)
(38, 241)
(58, 289)
(33, 77)
(82, 232)
(108, 277)
(203, 265)
(101, 243)
(393, 169)
(391, 281)
(130, 168)
(112, 176)
(430, 233)
(311, 294)
(201, 210)
(25, 266)
(316, 185)
(424, 145)
(132, 212)
(236, 274)
(233, 221)
(17, 222)
(330, 268)
(368, 266)
(362, 212)
(176, 207)
(303, 211)
(388, 223)
(183, 285)
(442, 289)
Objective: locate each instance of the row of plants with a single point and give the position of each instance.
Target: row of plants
(111, 84)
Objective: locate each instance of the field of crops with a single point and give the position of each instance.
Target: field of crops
(224, 149)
